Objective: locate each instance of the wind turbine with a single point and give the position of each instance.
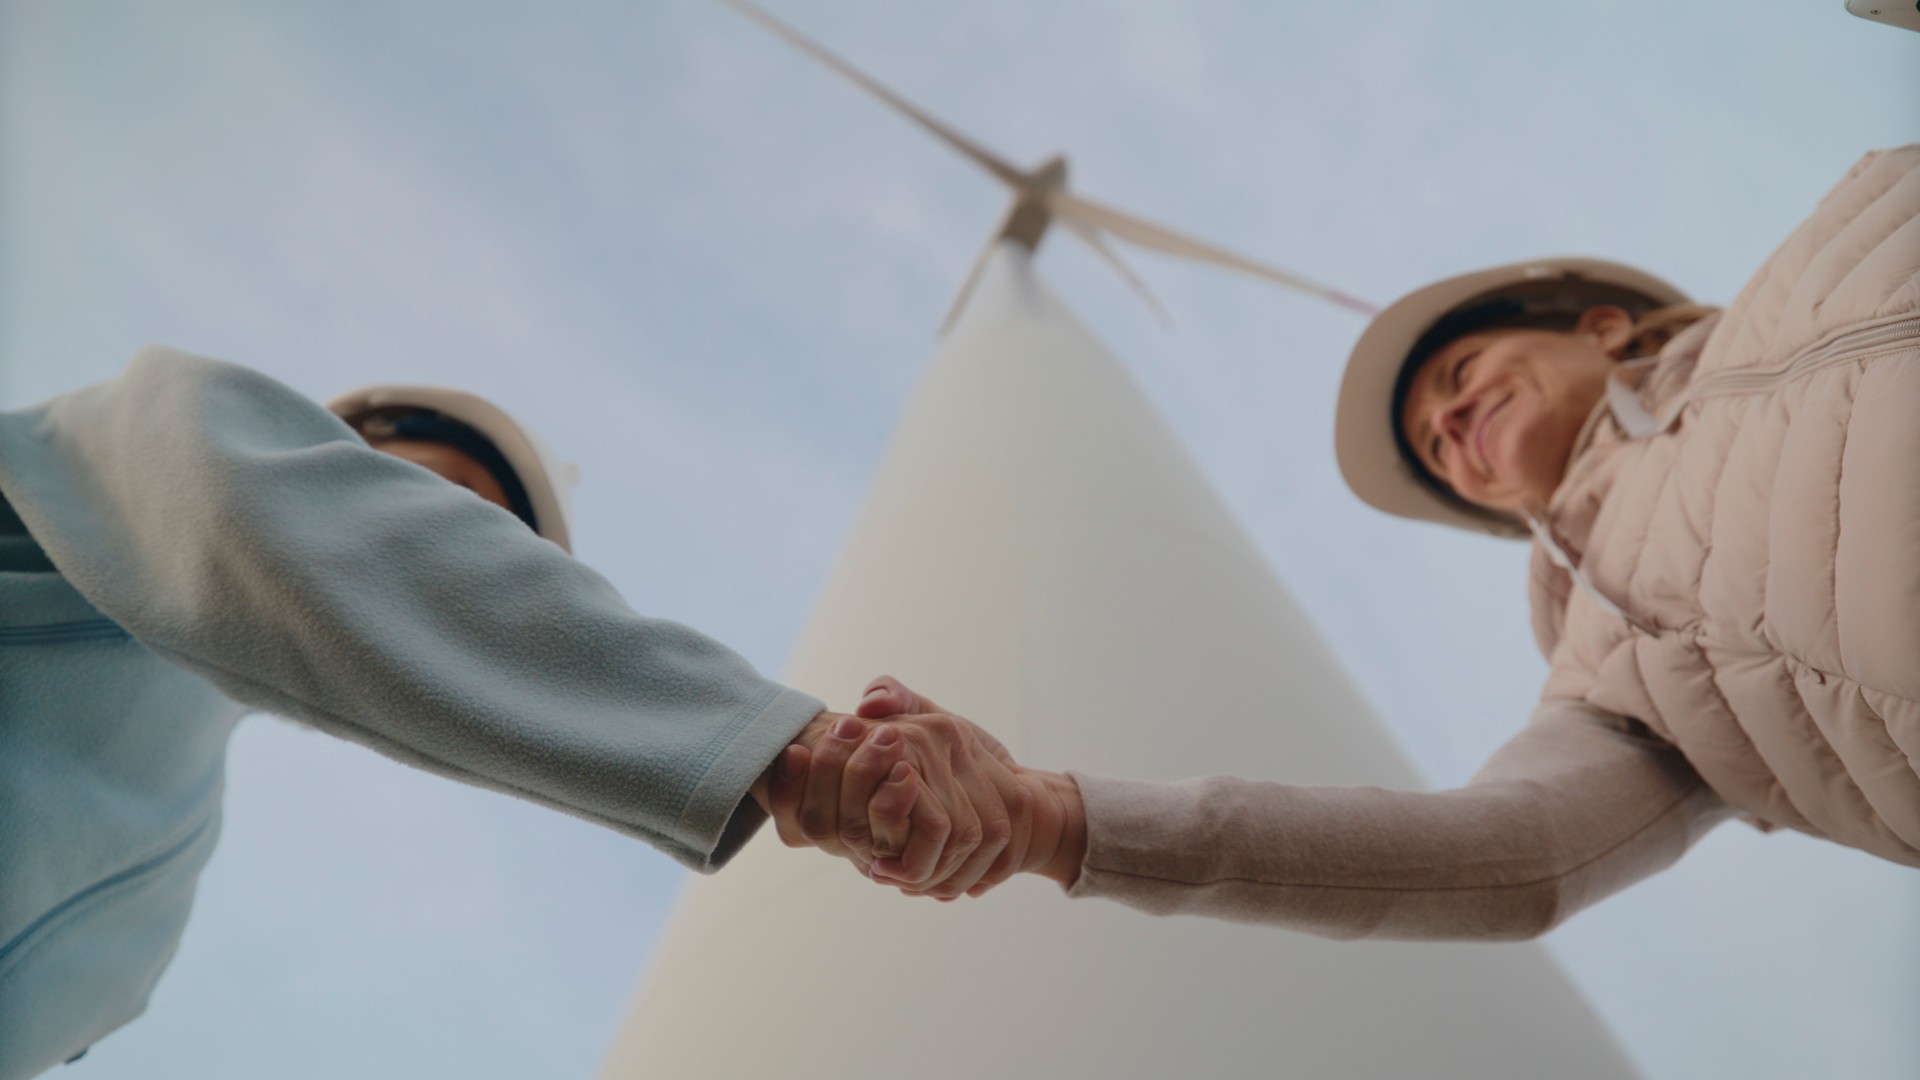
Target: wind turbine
(1041, 198)
(1083, 586)
(1083, 589)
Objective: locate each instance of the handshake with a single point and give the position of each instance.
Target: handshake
(922, 800)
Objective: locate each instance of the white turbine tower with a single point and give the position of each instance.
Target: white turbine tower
(1039, 553)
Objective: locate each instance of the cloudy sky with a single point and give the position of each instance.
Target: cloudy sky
(710, 273)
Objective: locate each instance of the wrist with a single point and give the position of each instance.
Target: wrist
(817, 729)
(808, 737)
(1059, 843)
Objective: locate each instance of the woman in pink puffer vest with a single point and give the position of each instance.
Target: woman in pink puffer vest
(1732, 555)
(1725, 512)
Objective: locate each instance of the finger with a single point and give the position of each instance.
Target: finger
(951, 786)
(887, 696)
(1007, 812)
(867, 768)
(784, 789)
(1019, 802)
(1002, 803)
(820, 806)
(931, 825)
(889, 808)
(970, 797)
(994, 831)
(883, 697)
(963, 836)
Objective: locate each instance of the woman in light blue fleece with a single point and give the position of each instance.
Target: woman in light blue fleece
(193, 539)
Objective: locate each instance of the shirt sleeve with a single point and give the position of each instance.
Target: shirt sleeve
(1578, 805)
(243, 532)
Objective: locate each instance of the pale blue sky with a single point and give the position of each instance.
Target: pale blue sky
(710, 273)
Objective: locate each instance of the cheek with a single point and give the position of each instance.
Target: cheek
(1537, 452)
(482, 483)
(1518, 441)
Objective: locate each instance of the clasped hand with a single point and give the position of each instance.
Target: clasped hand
(920, 799)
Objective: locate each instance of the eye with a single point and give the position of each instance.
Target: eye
(1460, 368)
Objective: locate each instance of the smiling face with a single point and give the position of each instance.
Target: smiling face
(1493, 414)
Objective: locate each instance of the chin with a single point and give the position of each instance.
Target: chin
(1533, 466)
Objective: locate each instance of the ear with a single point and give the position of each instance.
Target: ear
(1611, 326)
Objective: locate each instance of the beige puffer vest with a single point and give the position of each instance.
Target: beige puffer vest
(1746, 532)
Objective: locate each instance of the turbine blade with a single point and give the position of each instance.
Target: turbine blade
(1073, 208)
(1100, 246)
(966, 287)
(980, 156)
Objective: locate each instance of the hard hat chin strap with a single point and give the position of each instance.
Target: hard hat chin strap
(1549, 541)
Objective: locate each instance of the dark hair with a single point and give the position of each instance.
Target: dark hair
(1554, 305)
(429, 425)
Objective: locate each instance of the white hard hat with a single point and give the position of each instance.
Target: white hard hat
(544, 478)
(1365, 420)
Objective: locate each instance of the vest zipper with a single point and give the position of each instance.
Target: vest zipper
(1821, 355)
(1636, 423)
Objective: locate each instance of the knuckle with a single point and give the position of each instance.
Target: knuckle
(997, 832)
(967, 835)
(867, 768)
(1019, 800)
(930, 816)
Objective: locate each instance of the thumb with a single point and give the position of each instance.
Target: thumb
(887, 696)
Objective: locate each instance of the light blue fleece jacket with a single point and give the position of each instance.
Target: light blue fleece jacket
(192, 535)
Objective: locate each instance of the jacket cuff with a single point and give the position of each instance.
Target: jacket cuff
(1133, 827)
(720, 817)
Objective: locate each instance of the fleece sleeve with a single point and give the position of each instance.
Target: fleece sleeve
(241, 531)
(1575, 807)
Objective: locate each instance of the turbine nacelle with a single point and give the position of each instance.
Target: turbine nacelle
(1051, 176)
(1041, 198)
(1027, 218)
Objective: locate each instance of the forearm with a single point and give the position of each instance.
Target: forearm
(1565, 818)
(236, 529)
